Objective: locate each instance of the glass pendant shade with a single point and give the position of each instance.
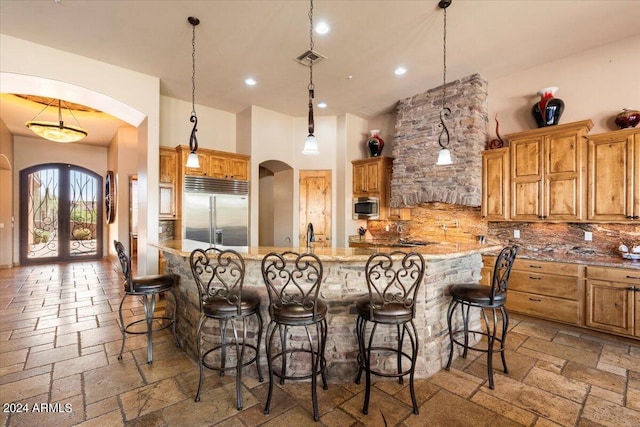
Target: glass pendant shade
(310, 146)
(56, 132)
(444, 157)
(192, 160)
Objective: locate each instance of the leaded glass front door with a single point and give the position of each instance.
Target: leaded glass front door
(60, 214)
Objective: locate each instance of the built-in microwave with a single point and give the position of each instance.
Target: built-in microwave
(366, 207)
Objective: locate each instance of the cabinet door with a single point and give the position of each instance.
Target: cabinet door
(564, 160)
(168, 165)
(610, 306)
(637, 311)
(218, 166)
(360, 179)
(202, 170)
(610, 173)
(495, 184)
(373, 175)
(238, 169)
(526, 179)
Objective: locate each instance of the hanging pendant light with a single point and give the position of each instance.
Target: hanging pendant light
(444, 156)
(310, 144)
(192, 159)
(56, 132)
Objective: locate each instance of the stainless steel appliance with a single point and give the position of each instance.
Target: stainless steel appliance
(216, 211)
(366, 207)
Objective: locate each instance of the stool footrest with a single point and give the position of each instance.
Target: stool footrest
(137, 322)
(233, 367)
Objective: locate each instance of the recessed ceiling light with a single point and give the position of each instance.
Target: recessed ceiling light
(399, 71)
(322, 105)
(322, 28)
(250, 82)
(349, 77)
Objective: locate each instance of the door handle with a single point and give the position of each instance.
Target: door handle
(535, 299)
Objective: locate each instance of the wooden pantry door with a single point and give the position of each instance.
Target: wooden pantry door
(315, 206)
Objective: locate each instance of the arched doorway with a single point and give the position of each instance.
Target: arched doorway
(61, 209)
(275, 204)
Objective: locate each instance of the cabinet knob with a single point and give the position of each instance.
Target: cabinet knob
(535, 278)
(631, 288)
(535, 299)
(633, 277)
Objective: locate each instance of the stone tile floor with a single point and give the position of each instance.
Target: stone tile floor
(59, 341)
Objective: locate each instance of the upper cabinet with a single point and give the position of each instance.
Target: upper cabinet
(168, 165)
(216, 164)
(614, 176)
(548, 172)
(495, 184)
(368, 175)
(372, 178)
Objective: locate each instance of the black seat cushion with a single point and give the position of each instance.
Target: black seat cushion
(294, 314)
(220, 307)
(152, 284)
(476, 294)
(395, 312)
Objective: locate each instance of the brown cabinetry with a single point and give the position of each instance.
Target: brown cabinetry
(495, 184)
(614, 176)
(168, 165)
(229, 166)
(168, 175)
(548, 172)
(372, 178)
(551, 290)
(612, 300)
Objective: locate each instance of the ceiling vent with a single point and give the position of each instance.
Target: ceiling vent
(310, 56)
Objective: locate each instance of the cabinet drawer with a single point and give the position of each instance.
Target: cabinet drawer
(559, 268)
(542, 306)
(614, 274)
(544, 284)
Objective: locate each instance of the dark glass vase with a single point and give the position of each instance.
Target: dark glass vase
(548, 110)
(375, 143)
(628, 118)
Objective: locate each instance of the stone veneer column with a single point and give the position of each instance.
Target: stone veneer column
(416, 178)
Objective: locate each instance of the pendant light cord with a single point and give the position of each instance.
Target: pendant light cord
(311, 86)
(444, 138)
(193, 139)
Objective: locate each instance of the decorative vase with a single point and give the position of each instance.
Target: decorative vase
(548, 110)
(628, 118)
(375, 143)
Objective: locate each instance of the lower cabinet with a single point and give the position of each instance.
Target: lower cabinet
(550, 290)
(613, 300)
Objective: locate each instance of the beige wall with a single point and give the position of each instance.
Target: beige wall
(216, 128)
(595, 84)
(6, 196)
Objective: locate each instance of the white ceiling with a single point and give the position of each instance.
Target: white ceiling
(260, 39)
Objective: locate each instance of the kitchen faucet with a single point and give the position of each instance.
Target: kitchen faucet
(310, 236)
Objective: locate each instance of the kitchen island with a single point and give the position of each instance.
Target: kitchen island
(343, 283)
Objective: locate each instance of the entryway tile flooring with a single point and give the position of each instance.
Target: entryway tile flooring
(59, 341)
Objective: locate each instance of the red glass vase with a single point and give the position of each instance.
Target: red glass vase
(375, 143)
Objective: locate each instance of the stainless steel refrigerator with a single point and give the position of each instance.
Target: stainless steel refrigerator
(216, 211)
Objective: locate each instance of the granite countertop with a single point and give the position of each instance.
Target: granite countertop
(430, 252)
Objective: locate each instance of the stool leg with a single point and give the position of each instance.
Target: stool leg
(175, 317)
(200, 360)
(122, 327)
(503, 341)
(414, 359)
(268, 342)
(222, 324)
(259, 316)
(283, 340)
(400, 340)
(465, 321)
(367, 390)
(360, 337)
(323, 362)
(149, 302)
(315, 356)
(491, 337)
(239, 358)
(450, 311)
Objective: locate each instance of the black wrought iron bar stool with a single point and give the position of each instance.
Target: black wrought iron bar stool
(393, 281)
(219, 275)
(486, 298)
(147, 288)
(293, 281)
